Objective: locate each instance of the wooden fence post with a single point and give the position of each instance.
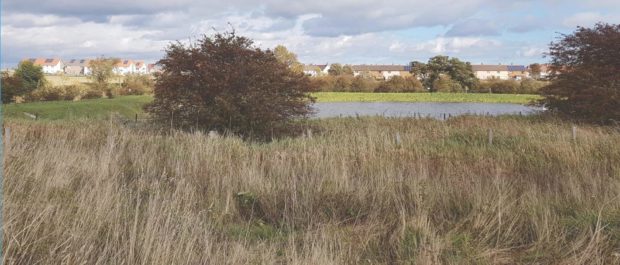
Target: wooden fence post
(490, 136)
(574, 133)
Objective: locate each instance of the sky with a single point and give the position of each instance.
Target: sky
(335, 31)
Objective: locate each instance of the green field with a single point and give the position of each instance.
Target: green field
(424, 97)
(126, 106)
(129, 106)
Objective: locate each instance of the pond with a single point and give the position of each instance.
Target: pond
(419, 109)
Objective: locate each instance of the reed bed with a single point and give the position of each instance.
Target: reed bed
(99, 192)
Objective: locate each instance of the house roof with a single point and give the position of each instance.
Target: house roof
(78, 62)
(124, 63)
(488, 67)
(516, 68)
(44, 61)
(139, 64)
(376, 67)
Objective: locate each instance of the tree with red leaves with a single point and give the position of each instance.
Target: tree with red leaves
(224, 83)
(585, 76)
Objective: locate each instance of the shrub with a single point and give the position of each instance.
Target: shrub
(498, 86)
(445, 84)
(226, 84)
(11, 87)
(531, 86)
(92, 94)
(363, 84)
(73, 92)
(47, 93)
(342, 83)
(136, 85)
(587, 84)
(400, 84)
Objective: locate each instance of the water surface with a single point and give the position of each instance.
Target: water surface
(437, 110)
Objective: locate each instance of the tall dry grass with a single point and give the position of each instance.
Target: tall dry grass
(101, 193)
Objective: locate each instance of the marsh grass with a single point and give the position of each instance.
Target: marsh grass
(84, 192)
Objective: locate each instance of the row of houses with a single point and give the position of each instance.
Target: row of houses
(76, 67)
(482, 71)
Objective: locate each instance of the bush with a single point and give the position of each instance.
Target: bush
(531, 86)
(226, 84)
(446, 84)
(363, 84)
(400, 84)
(342, 83)
(587, 84)
(47, 93)
(498, 86)
(92, 94)
(52, 93)
(11, 87)
(136, 85)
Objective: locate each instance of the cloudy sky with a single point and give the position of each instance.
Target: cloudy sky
(345, 31)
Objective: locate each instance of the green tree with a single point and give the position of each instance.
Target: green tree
(288, 58)
(585, 84)
(31, 77)
(335, 69)
(101, 72)
(438, 66)
(11, 86)
(224, 83)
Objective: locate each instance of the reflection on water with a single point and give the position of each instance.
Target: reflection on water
(426, 109)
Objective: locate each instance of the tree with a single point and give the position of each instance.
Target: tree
(31, 77)
(101, 71)
(11, 86)
(438, 66)
(335, 69)
(288, 58)
(224, 83)
(585, 84)
(535, 70)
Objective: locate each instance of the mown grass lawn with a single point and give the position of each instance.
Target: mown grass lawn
(129, 106)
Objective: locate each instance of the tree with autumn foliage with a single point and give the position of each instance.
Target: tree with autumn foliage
(289, 58)
(586, 81)
(224, 83)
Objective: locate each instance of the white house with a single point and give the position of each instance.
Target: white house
(154, 68)
(141, 68)
(316, 69)
(381, 71)
(49, 65)
(124, 67)
(483, 71)
(78, 67)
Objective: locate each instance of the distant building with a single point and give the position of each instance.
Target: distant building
(124, 67)
(78, 67)
(153, 68)
(316, 69)
(49, 65)
(484, 71)
(502, 72)
(518, 72)
(545, 71)
(141, 68)
(381, 71)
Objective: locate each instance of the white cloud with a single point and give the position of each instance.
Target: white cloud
(587, 19)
